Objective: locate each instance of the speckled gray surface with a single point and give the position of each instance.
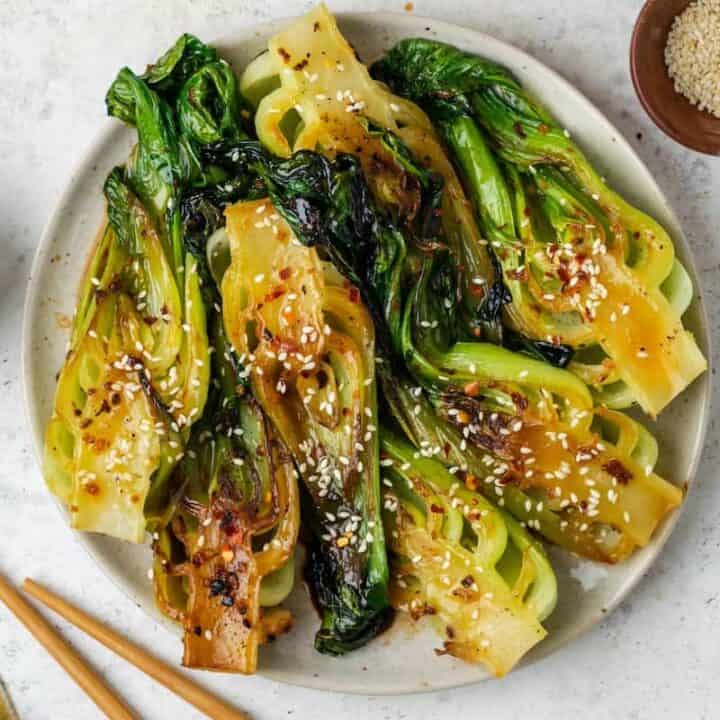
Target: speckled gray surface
(656, 657)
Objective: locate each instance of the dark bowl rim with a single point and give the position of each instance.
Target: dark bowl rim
(699, 144)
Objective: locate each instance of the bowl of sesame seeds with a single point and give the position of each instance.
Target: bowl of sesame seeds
(675, 67)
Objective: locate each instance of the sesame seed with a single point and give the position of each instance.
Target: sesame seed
(692, 53)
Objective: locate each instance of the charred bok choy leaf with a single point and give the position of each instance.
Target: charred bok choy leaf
(583, 266)
(483, 579)
(307, 343)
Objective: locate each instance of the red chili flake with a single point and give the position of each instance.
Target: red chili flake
(284, 54)
(615, 468)
(285, 273)
(521, 275)
(436, 508)
(563, 273)
(92, 488)
(354, 295)
(274, 294)
(508, 479)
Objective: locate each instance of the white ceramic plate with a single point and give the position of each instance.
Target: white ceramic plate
(402, 659)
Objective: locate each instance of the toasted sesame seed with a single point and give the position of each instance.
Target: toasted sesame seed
(692, 54)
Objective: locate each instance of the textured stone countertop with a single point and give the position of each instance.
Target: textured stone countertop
(656, 657)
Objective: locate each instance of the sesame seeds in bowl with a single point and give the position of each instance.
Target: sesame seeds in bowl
(675, 63)
(692, 54)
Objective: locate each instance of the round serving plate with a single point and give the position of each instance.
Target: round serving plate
(402, 659)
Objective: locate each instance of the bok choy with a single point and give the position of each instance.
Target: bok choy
(583, 266)
(224, 554)
(307, 344)
(137, 371)
(390, 316)
(483, 579)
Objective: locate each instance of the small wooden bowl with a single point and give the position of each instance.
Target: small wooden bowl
(671, 111)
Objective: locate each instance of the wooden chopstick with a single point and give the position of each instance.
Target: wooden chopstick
(173, 680)
(66, 656)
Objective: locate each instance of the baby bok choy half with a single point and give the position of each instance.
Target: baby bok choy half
(308, 346)
(583, 267)
(135, 377)
(477, 573)
(137, 371)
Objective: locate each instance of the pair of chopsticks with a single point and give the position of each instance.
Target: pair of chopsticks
(86, 677)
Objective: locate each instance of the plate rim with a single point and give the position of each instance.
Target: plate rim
(416, 24)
